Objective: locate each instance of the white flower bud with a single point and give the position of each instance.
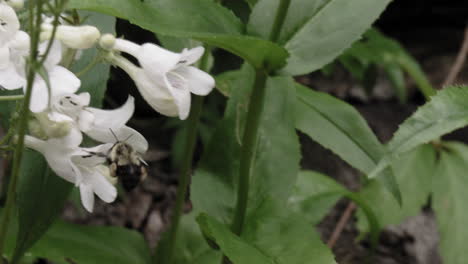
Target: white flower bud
(107, 41)
(78, 37)
(16, 4)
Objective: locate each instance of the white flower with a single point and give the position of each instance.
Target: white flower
(100, 125)
(9, 23)
(14, 46)
(165, 78)
(75, 37)
(80, 167)
(61, 80)
(94, 177)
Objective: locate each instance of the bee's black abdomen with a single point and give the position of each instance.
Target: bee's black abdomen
(130, 176)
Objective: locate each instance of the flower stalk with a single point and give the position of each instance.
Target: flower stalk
(250, 136)
(184, 179)
(35, 11)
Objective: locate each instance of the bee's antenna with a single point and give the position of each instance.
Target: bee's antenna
(128, 138)
(117, 139)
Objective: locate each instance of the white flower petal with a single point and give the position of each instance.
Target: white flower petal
(113, 119)
(156, 60)
(198, 81)
(103, 188)
(10, 23)
(63, 81)
(85, 120)
(4, 57)
(39, 96)
(87, 197)
(20, 42)
(10, 79)
(190, 56)
(57, 156)
(55, 53)
(181, 94)
(125, 134)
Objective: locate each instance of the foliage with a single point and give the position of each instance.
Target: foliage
(251, 201)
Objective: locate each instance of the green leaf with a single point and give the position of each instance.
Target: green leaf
(449, 202)
(315, 38)
(92, 245)
(339, 127)
(198, 19)
(414, 172)
(376, 48)
(284, 236)
(40, 197)
(314, 195)
(237, 250)
(445, 112)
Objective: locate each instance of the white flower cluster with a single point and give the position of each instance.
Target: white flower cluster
(60, 115)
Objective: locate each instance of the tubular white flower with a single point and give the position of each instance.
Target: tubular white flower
(75, 37)
(80, 167)
(9, 23)
(62, 81)
(94, 177)
(101, 125)
(14, 46)
(58, 157)
(167, 73)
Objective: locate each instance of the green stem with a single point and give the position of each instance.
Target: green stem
(281, 13)
(184, 178)
(34, 25)
(12, 97)
(88, 67)
(249, 142)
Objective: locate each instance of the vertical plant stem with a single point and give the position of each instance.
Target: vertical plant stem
(249, 139)
(249, 142)
(281, 13)
(184, 178)
(34, 24)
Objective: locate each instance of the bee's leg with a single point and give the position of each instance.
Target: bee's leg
(144, 173)
(113, 169)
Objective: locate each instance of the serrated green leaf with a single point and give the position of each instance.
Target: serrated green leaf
(339, 127)
(327, 32)
(445, 112)
(449, 202)
(414, 173)
(237, 250)
(284, 236)
(314, 195)
(73, 243)
(198, 19)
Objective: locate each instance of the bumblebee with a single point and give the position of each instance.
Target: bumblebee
(126, 165)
